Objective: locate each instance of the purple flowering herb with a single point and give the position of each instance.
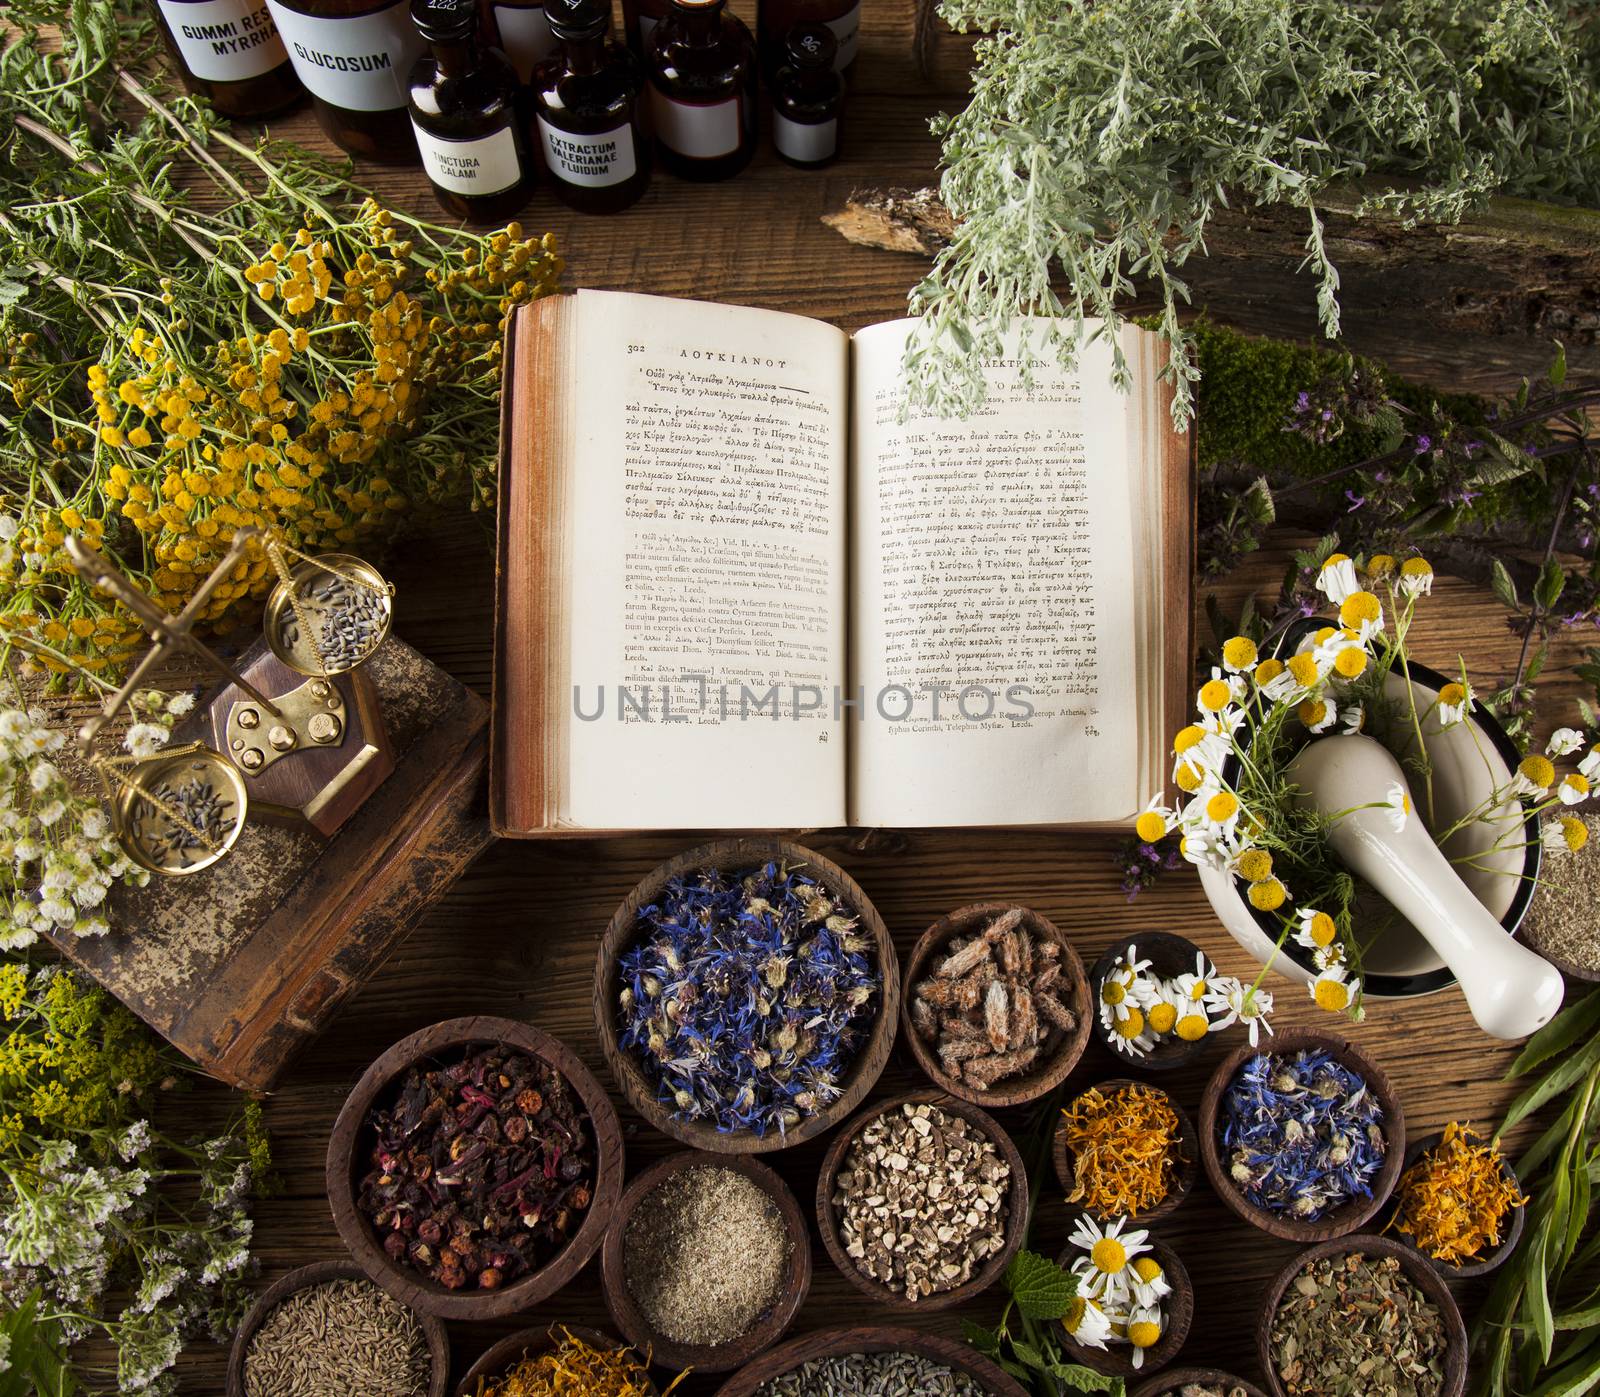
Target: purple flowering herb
(747, 997)
(1302, 1134)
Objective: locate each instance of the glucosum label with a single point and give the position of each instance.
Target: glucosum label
(484, 165)
(224, 40)
(590, 159)
(356, 61)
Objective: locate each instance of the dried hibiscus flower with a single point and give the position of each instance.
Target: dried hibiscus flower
(481, 1169)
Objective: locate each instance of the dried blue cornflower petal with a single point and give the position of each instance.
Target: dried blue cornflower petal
(1301, 1133)
(746, 997)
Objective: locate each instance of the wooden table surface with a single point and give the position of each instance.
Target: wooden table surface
(517, 936)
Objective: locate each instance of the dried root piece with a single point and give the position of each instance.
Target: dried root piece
(993, 1005)
(996, 1016)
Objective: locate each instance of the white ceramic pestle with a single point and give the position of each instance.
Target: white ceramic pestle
(1510, 990)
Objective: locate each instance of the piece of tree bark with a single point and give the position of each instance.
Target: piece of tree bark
(897, 220)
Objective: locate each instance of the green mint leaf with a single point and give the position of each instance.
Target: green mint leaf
(986, 1341)
(1041, 1288)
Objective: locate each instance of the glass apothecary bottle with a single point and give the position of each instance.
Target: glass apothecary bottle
(775, 18)
(587, 103)
(703, 90)
(640, 20)
(520, 29)
(807, 95)
(230, 52)
(463, 98)
(354, 57)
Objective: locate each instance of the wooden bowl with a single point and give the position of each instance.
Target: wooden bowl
(728, 855)
(1169, 955)
(1174, 1378)
(1116, 1360)
(1046, 1074)
(830, 1343)
(706, 1358)
(1482, 1266)
(1342, 1220)
(532, 1342)
(1426, 1279)
(1188, 1163)
(1016, 1206)
(350, 1143)
(318, 1273)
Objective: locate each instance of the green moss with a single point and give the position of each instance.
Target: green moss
(1248, 386)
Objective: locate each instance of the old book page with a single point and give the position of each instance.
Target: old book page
(704, 563)
(1005, 612)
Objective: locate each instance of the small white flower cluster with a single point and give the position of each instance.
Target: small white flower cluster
(58, 853)
(1138, 1010)
(1121, 1287)
(65, 1229)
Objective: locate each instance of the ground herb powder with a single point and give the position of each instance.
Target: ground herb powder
(704, 1255)
(338, 1339)
(1356, 1326)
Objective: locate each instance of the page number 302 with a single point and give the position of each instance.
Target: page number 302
(635, 349)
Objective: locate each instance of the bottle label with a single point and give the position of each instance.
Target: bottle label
(525, 36)
(483, 165)
(805, 141)
(360, 62)
(591, 160)
(847, 30)
(224, 40)
(701, 131)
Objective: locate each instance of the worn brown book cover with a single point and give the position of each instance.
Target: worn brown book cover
(736, 588)
(242, 964)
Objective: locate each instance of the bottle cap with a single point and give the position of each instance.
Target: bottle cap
(445, 21)
(811, 46)
(578, 19)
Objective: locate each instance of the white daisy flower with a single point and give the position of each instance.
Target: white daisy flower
(1109, 1247)
(1316, 929)
(1144, 1331)
(1574, 788)
(1455, 702)
(1398, 801)
(1563, 742)
(1338, 578)
(1086, 1323)
(1318, 714)
(1590, 765)
(1147, 1281)
(1416, 577)
(1353, 719)
(1332, 990)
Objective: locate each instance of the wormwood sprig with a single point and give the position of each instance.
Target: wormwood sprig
(199, 335)
(1102, 139)
(1539, 1330)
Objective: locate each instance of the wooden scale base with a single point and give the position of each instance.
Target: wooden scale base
(241, 964)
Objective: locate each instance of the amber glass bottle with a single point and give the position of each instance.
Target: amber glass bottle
(775, 18)
(703, 91)
(463, 108)
(520, 29)
(353, 57)
(230, 52)
(640, 20)
(587, 102)
(806, 97)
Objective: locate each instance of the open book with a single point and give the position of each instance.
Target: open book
(735, 591)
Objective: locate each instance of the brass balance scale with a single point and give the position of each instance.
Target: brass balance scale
(295, 736)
